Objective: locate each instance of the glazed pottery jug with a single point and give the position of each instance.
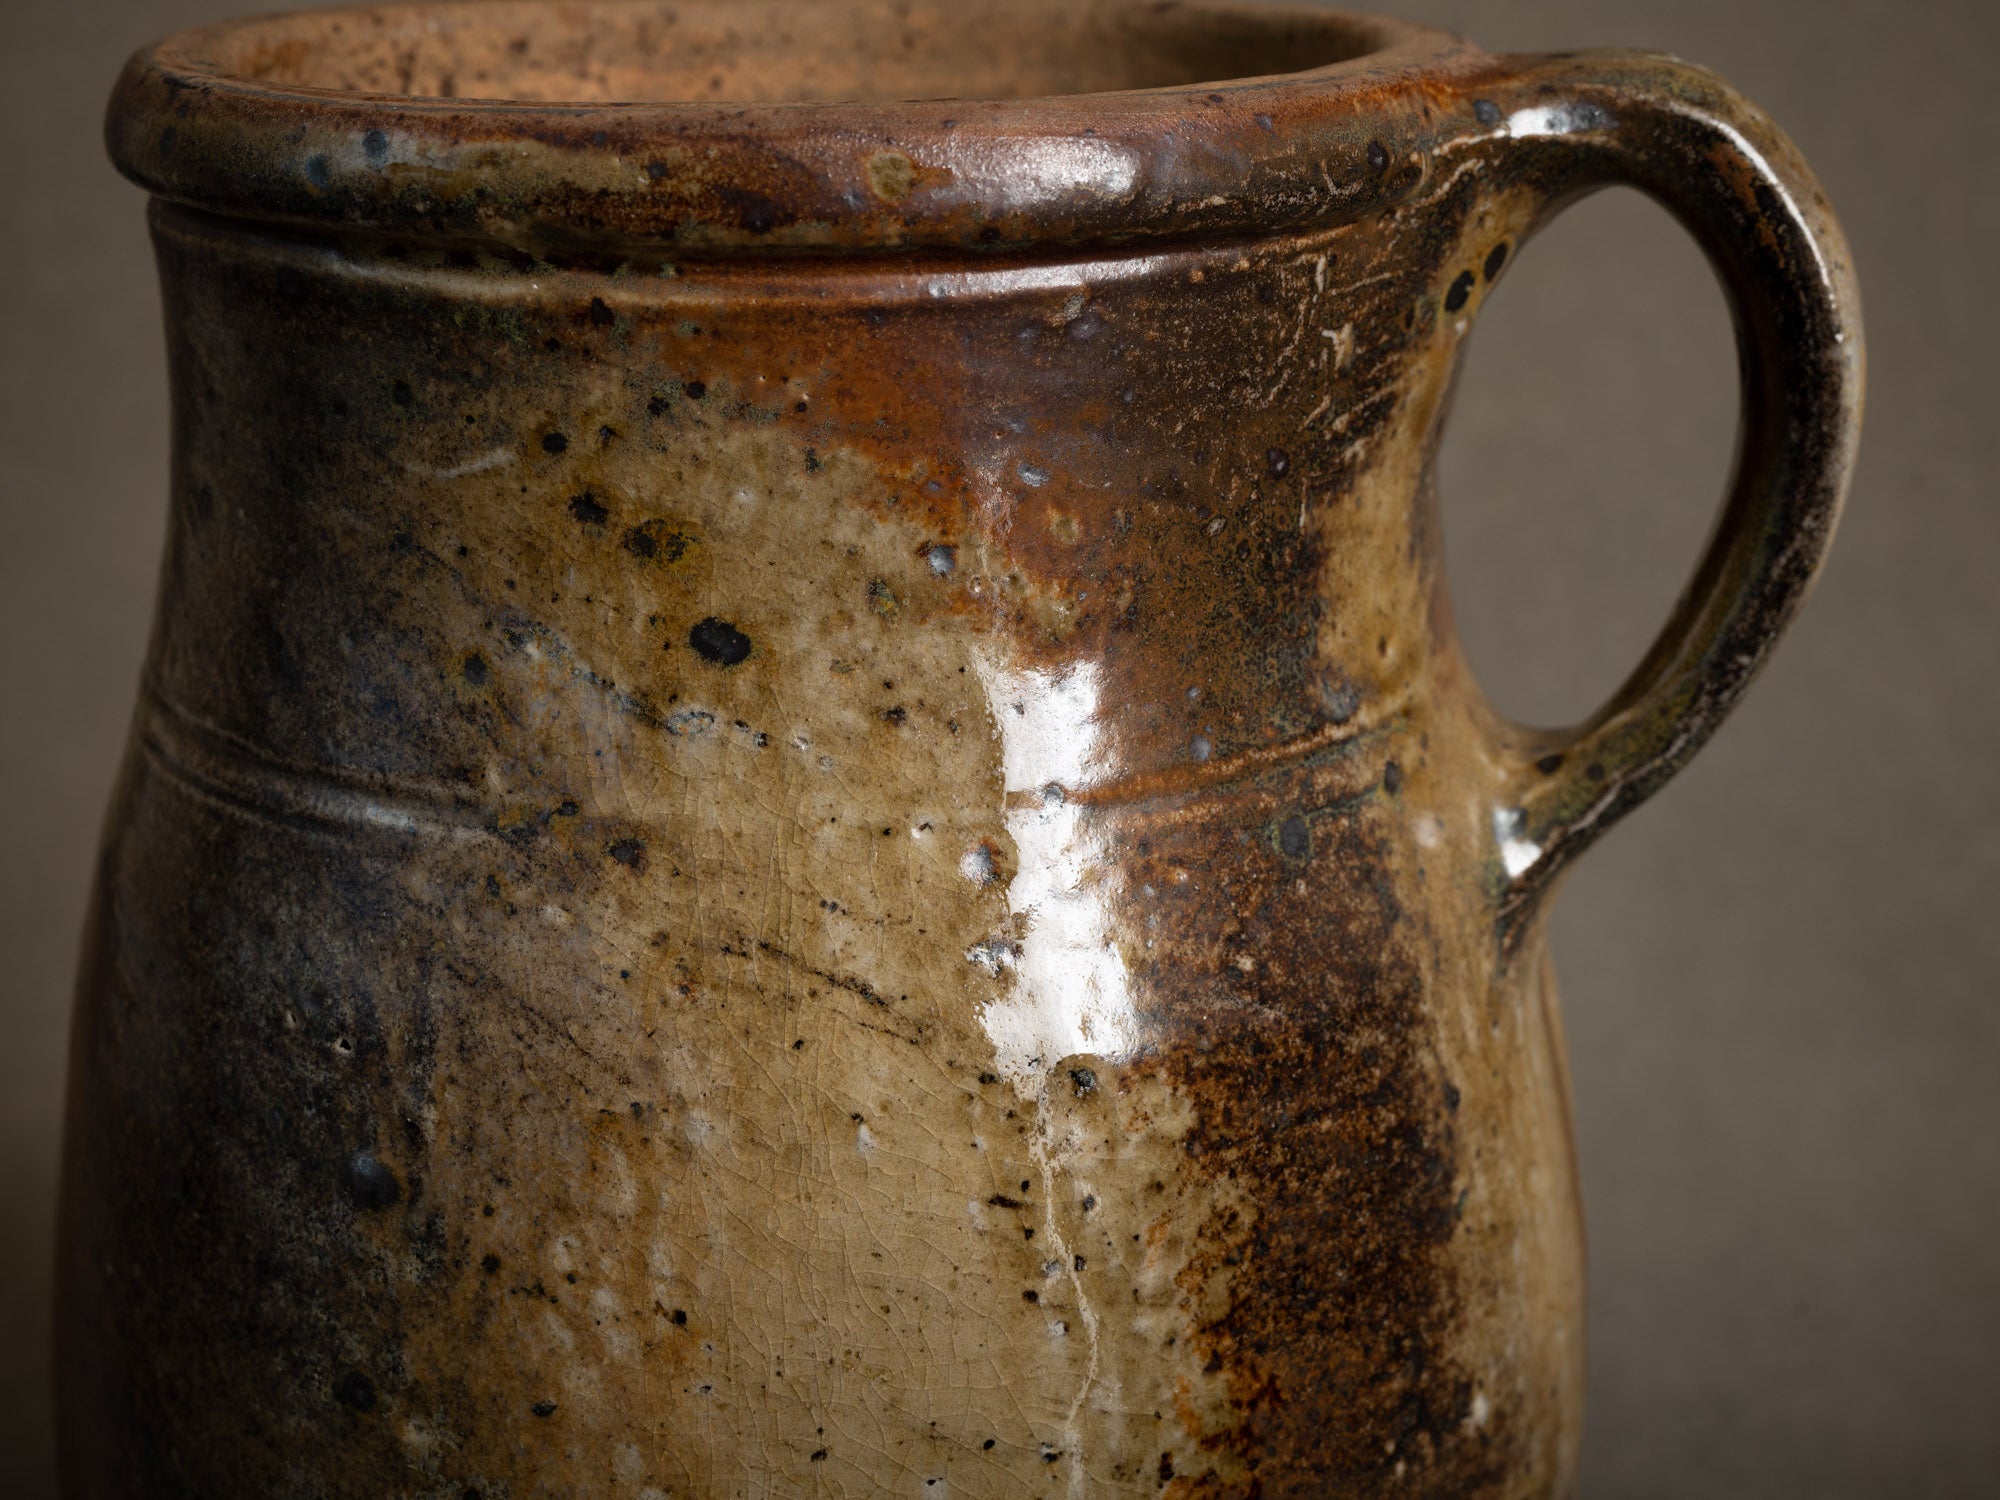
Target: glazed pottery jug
(804, 818)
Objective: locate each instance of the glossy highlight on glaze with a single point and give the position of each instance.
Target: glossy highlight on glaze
(805, 817)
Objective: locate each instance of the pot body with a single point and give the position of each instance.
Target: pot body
(812, 875)
(836, 876)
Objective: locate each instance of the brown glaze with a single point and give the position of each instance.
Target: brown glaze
(808, 823)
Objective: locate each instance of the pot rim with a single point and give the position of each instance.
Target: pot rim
(191, 121)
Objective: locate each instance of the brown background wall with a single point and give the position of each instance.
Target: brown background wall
(1780, 977)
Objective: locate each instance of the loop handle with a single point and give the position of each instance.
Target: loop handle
(1579, 122)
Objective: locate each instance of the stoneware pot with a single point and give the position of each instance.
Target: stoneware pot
(804, 818)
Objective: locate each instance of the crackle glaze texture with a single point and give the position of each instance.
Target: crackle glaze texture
(804, 819)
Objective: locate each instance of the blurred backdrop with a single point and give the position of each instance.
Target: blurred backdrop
(1780, 977)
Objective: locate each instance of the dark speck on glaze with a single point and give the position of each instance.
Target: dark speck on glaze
(719, 641)
(370, 1182)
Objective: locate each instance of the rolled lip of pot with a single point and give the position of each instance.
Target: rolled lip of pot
(192, 121)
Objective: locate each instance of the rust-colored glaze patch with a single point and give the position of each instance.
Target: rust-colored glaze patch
(1322, 1106)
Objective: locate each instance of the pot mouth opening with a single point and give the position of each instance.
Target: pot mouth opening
(747, 124)
(617, 52)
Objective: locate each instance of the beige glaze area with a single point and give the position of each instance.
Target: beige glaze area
(831, 1235)
(634, 51)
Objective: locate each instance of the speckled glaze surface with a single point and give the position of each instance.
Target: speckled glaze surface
(804, 818)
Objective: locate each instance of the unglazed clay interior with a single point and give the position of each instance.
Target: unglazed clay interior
(712, 51)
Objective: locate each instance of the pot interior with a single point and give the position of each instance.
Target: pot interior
(720, 51)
